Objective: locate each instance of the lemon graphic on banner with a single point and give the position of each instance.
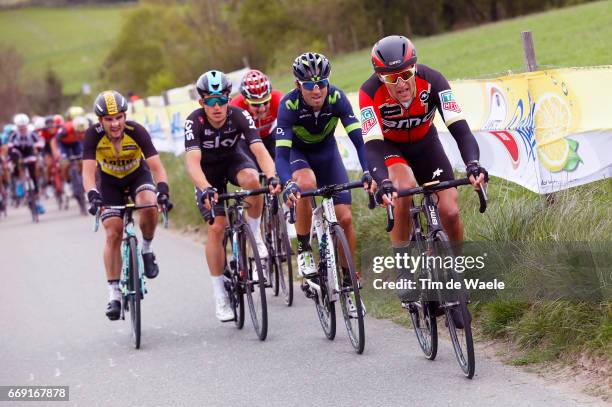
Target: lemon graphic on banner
(553, 121)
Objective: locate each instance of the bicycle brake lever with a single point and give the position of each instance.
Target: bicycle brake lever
(482, 197)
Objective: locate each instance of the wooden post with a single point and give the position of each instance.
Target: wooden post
(529, 51)
(354, 39)
(330, 43)
(381, 31)
(408, 26)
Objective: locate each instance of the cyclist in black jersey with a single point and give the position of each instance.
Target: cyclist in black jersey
(23, 147)
(120, 153)
(218, 139)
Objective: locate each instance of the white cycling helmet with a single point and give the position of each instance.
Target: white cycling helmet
(80, 123)
(39, 122)
(21, 119)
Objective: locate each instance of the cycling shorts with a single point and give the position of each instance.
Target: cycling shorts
(71, 149)
(425, 157)
(218, 174)
(325, 161)
(115, 190)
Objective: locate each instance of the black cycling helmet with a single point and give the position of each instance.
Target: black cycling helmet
(109, 102)
(213, 83)
(393, 53)
(311, 66)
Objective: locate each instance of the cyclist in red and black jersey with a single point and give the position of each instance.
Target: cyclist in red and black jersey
(261, 101)
(398, 103)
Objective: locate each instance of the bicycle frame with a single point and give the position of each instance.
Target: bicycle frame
(129, 231)
(323, 218)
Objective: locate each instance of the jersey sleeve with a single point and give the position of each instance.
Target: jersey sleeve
(92, 136)
(142, 137)
(192, 138)
(454, 119)
(284, 142)
(445, 100)
(247, 125)
(353, 128)
(370, 118)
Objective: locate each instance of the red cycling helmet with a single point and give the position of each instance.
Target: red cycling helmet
(58, 120)
(255, 85)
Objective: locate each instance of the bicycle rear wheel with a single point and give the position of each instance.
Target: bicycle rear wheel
(349, 290)
(282, 252)
(269, 233)
(77, 189)
(456, 312)
(251, 268)
(134, 292)
(326, 309)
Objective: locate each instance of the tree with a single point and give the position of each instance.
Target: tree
(12, 99)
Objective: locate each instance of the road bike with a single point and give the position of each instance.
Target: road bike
(429, 238)
(279, 268)
(336, 277)
(76, 183)
(132, 283)
(243, 273)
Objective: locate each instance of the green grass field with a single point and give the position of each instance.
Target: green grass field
(573, 36)
(73, 41)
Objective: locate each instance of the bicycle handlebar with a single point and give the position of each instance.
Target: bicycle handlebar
(327, 192)
(131, 206)
(434, 187)
(239, 195)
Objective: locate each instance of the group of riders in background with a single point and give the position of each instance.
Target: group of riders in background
(36, 155)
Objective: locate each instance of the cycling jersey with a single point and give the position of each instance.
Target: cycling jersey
(25, 144)
(135, 144)
(217, 145)
(301, 128)
(384, 118)
(68, 135)
(266, 125)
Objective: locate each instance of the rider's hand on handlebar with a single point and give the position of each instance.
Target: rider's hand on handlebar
(477, 175)
(291, 193)
(209, 194)
(367, 180)
(95, 201)
(388, 192)
(274, 185)
(163, 196)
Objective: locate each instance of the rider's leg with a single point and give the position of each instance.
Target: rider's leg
(402, 177)
(449, 212)
(306, 180)
(112, 262)
(112, 255)
(215, 257)
(148, 216)
(248, 178)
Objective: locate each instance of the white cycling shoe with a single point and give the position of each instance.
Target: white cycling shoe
(223, 310)
(306, 264)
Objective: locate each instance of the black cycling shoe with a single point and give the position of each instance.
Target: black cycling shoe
(151, 269)
(113, 310)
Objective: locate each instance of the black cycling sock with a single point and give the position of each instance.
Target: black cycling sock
(113, 281)
(303, 242)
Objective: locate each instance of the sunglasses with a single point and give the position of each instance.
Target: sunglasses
(392, 78)
(310, 85)
(257, 103)
(220, 100)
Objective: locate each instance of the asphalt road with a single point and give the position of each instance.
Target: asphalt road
(54, 332)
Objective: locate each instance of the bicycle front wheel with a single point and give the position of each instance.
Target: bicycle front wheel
(326, 309)
(233, 285)
(250, 267)
(456, 312)
(134, 292)
(282, 252)
(350, 297)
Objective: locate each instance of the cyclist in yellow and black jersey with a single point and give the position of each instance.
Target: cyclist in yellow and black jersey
(124, 159)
